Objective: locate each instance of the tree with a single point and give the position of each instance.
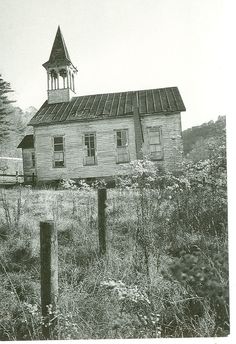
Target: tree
(200, 137)
(5, 109)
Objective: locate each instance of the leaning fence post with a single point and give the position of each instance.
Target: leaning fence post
(102, 196)
(49, 278)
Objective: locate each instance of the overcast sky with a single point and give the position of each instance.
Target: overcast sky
(120, 45)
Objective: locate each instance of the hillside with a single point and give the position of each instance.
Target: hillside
(199, 141)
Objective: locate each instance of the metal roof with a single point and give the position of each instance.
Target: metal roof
(27, 142)
(110, 105)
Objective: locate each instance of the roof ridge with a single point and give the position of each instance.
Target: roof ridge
(129, 91)
(161, 101)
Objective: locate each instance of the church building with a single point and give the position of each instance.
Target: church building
(94, 136)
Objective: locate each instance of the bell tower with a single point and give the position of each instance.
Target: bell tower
(60, 72)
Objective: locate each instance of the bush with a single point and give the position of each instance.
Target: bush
(207, 277)
(175, 223)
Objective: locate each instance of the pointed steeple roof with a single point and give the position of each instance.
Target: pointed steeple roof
(59, 53)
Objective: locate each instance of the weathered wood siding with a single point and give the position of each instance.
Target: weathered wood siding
(27, 161)
(74, 153)
(171, 138)
(106, 146)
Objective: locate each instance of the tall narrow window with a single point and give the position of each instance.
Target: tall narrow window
(155, 146)
(90, 149)
(122, 148)
(58, 154)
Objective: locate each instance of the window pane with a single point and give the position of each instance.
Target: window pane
(122, 138)
(90, 160)
(58, 148)
(119, 142)
(154, 129)
(59, 163)
(90, 152)
(154, 137)
(89, 140)
(58, 139)
(123, 154)
(58, 151)
(33, 159)
(58, 156)
(155, 148)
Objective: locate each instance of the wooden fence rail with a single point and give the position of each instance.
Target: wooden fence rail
(11, 175)
(17, 176)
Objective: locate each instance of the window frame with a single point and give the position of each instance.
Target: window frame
(122, 147)
(86, 149)
(59, 151)
(160, 144)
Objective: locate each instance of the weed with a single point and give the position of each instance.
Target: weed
(165, 273)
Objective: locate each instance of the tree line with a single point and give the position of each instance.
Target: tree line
(13, 121)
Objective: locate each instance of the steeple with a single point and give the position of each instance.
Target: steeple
(60, 72)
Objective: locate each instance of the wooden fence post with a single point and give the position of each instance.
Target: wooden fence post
(49, 278)
(17, 179)
(102, 197)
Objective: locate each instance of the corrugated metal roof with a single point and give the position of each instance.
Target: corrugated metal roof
(27, 142)
(110, 105)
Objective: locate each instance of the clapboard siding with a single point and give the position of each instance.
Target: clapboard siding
(74, 155)
(106, 148)
(171, 138)
(27, 161)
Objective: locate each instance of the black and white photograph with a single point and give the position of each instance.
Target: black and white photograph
(113, 170)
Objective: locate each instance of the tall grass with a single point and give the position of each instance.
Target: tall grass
(165, 273)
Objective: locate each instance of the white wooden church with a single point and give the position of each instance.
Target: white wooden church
(91, 136)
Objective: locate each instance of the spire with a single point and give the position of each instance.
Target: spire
(59, 53)
(60, 72)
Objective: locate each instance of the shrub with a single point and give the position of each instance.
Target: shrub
(172, 222)
(207, 276)
(136, 318)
